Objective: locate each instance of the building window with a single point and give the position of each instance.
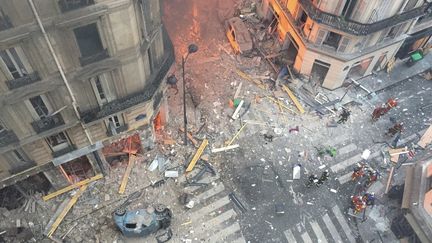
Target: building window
(88, 39)
(58, 141)
(40, 106)
(392, 32)
(116, 121)
(348, 8)
(98, 83)
(18, 156)
(13, 63)
(343, 44)
(332, 40)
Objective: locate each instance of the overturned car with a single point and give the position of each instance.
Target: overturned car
(142, 222)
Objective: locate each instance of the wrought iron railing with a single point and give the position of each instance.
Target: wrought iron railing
(134, 99)
(94, 58)
(7, 137)
(354, 27)
(68, 149)
(5, 22)
(19, 82)
(48, 123)
(120, 129)
(69, 5)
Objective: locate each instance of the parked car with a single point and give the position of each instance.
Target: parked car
(239, 36)
(142, 222)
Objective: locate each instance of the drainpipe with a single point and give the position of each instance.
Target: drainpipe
(60, 69)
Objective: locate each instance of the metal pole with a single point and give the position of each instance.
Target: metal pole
(184, 100)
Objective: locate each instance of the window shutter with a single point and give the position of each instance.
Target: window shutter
(320, 36)
(343, 44)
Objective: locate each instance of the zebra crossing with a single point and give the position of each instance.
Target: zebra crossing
(323, 229)
(213, 219)
(345, 166)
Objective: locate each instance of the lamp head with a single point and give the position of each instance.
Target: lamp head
(192, 48)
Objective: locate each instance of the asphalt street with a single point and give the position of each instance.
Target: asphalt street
(260, 172)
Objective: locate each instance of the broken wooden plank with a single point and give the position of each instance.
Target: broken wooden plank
(389, 180)
(71, 187)
(64, 212)
(426, 138)
(237, 111)
(294, 99)
(249, 78)
(236, 135)
(237, 93)
(280, 104)
(125, 179)
(191, 138)
(216, 150)
(394, 158)
(197, 155)
(169, 141)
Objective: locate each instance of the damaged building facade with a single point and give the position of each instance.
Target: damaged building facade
(75, 78)
(334, 40)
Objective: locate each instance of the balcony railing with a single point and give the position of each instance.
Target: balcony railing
(136, 98)
(7, 137)
(66, 150)
(354, 27)
(69, 5)
(19, 82)
(94, 58)
(120, 129)
(48, 123)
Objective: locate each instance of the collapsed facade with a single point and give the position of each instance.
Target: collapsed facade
(78, 80)
(334, 40)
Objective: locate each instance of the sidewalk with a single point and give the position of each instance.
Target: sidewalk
(400, 72)
(378, 83)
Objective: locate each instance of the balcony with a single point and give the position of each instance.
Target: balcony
(7, 137)
(120, 129)
(48, 123)
(19, 82)
(5, 22)
(69, 5)
(94, 58)
(66, 150)
(134, 99)
(354, 27)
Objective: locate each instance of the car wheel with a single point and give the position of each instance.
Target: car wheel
(120, 211)
(160, 208)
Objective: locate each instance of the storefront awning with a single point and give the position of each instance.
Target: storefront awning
(77, 153)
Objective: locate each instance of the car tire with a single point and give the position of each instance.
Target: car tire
(160, 208)
(120, 211)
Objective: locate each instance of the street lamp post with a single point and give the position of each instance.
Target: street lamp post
(192, 48)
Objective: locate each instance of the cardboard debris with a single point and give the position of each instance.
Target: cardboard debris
(296, 172)
(398, 151)
(171, 173)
